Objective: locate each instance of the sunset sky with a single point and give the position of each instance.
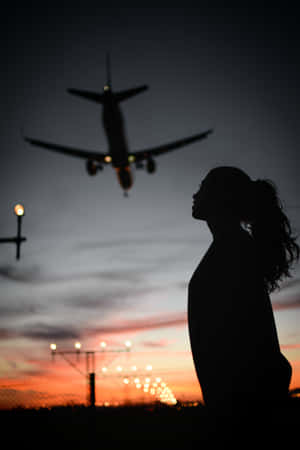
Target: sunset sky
(98, 266)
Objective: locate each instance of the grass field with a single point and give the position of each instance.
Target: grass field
(170, 427)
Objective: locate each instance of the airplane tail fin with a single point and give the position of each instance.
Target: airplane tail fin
(100, 98)
(108, 70)
(124, 95)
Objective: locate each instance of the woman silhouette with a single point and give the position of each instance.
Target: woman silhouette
(233, 335)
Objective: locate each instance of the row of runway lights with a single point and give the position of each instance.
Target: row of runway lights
(158, 387)
(102, 344)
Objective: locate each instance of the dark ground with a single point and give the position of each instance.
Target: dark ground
(152, 426)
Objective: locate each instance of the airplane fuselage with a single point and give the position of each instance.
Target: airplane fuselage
(113, 124)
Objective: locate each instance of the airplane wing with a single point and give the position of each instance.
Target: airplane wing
(71, 151)
(155, 151)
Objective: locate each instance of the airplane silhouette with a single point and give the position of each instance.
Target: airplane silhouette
(118, 154)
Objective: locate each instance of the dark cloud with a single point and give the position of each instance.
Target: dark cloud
(13, 311)
(50, 332)
(40, 331)
(7, 333)
(36, 276)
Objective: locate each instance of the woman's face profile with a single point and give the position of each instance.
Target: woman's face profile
(201, 201)
(210, 199)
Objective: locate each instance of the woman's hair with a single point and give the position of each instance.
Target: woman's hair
(258, 207)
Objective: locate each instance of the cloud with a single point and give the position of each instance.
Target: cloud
(290, 303)
(41, 331)
(111, 299)
(13, 311)
(162, 343)
(133, 242)
(289, 346)
(147, 323)
(35, 275)
(50, 332)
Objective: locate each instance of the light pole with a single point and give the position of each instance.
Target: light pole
(19, 212)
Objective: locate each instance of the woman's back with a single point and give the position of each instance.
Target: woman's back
(232, 330)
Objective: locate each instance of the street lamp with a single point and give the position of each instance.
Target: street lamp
(19, 211)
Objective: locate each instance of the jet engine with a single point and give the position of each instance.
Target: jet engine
(92, 167)
(151, 165)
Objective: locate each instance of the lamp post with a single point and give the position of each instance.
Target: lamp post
(19, 212)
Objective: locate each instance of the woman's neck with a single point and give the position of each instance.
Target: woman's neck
(223, 227)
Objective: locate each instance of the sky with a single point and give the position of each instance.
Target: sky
(97, 266)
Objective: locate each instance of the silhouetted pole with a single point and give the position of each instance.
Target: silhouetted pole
(19, 218)
(92, 396)
(19, 212)
(91, 376)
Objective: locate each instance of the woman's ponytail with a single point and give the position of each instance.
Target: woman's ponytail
(272, 233)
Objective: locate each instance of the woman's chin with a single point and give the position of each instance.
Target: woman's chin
(197, 215)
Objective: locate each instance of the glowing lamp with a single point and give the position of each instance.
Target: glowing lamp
(107, 159)
(53, 347)
(103, 344)
(119, 369)
(149, 367)
(77, 345)
(126, 381)
(19, 210)
(128, 344)
(131, 158)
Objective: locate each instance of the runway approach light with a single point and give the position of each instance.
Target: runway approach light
(19, 210)
(128, 344)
